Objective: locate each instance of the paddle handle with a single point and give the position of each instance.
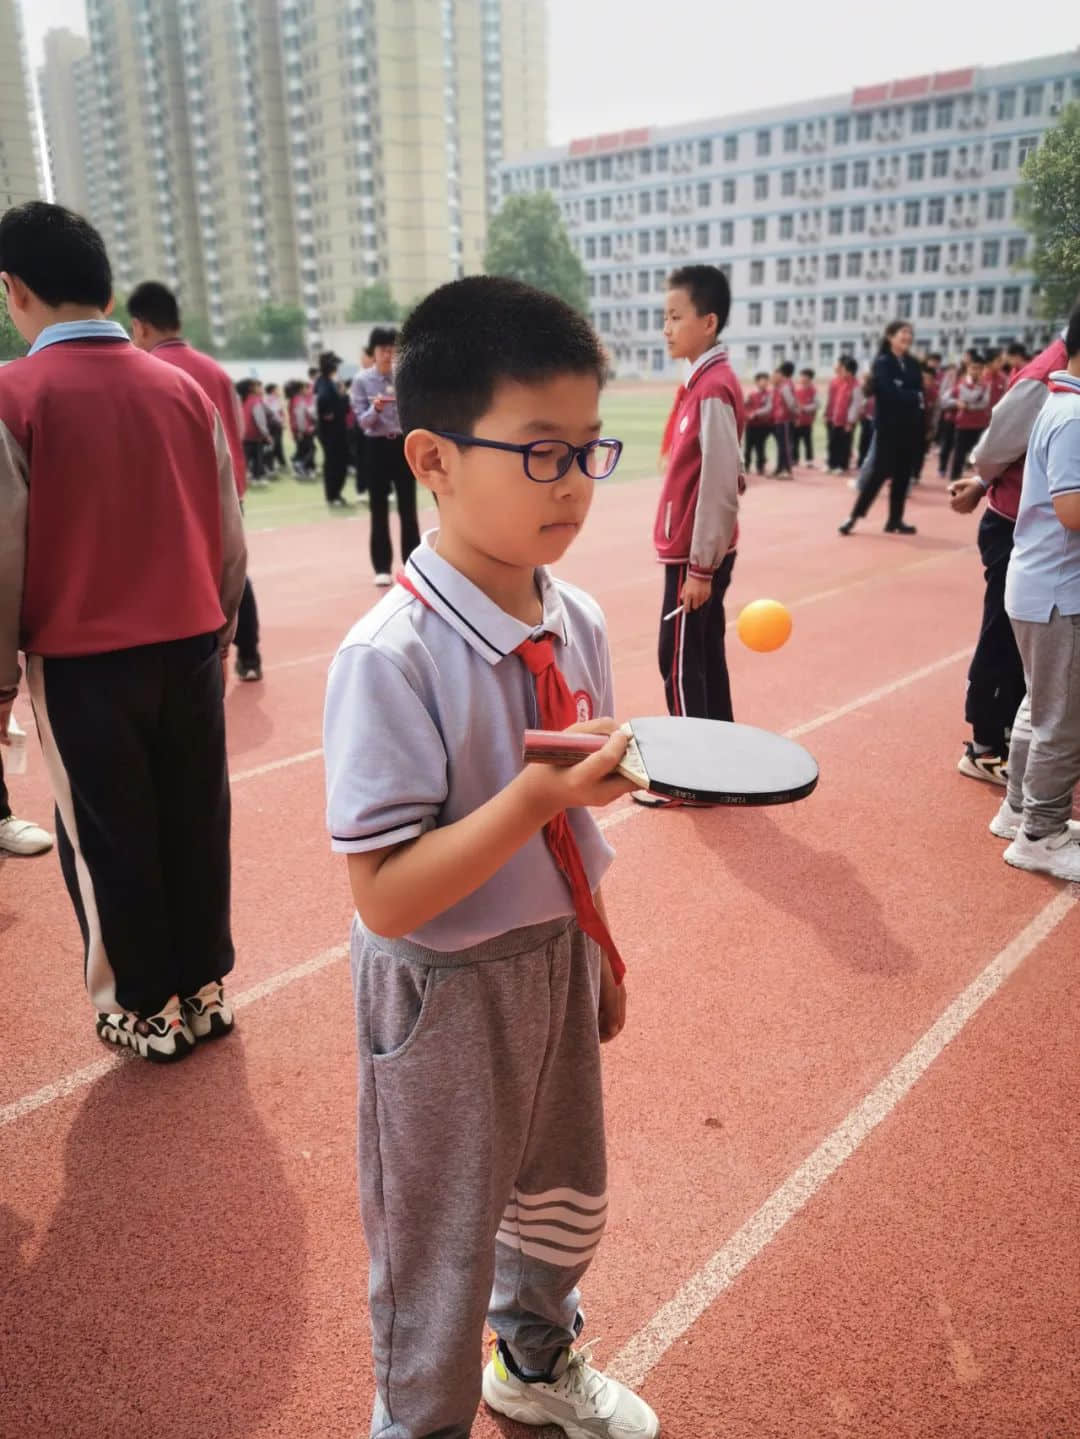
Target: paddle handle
(546, 746)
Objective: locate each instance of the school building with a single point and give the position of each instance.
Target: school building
(831, 217)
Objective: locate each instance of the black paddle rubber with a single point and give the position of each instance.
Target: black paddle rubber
(715, 762)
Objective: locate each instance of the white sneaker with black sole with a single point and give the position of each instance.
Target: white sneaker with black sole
(579, 1400)
(989, 767)
(1054, 854)
(162, 1038)
(1006, 823)
(23, 837)
(208, 1014)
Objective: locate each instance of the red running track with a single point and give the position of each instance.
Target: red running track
(843, 1117)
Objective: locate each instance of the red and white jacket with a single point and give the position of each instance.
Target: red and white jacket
(838, 409)
(785, 409)
(973, 402)
(757, 406)
(999, 456)
(806, 397)
(697, 517)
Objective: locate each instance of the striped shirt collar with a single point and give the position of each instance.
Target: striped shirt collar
(715, 352)
(78, 330)
(486, 628)
(1062, 381)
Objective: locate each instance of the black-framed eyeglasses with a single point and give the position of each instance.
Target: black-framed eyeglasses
(546, 461)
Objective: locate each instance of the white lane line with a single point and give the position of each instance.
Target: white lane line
(648, 1346)
(80, 1078)
(303, 660)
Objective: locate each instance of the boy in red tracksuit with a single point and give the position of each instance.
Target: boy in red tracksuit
(696, 522)
(784, 415)
(758, 406)
(839, 419)
(255, 430)
(806, 398)
(972, 414)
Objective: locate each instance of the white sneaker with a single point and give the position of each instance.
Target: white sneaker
(1055, 854)
(580, 1401)
(161, 1038)
(989, 767)
(1006, 823)
(208, 1014)
(383, 581)
(19, 836)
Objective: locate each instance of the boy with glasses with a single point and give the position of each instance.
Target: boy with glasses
(484, 972)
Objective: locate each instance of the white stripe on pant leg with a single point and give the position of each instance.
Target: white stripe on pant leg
(100, 980)
(680, 645)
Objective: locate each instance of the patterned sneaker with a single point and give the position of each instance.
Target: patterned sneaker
(990, 767)
(208, 1014)
(578, 1399)
(161, 1038)
(1006, 823)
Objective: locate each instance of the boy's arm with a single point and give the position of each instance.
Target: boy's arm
(1063, 474)
(233, 547)
(14, 501)
(1006, 436)
(718, 488)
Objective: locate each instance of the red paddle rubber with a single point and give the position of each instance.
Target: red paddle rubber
(543, 746)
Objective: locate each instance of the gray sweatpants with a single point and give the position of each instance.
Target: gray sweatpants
(483, 1179)
(1044, 751)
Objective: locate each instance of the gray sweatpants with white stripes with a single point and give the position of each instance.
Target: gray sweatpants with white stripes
(483, 1184)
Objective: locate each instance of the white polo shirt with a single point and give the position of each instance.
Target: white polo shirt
(1044, 568)
(426, 706)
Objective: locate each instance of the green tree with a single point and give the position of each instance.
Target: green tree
(12, 344)
(273, 332)
(373, 304)
(528, 241)
(1050, 206)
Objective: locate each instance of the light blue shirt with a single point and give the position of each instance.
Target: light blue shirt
(1044, 571)
(379, 424)
(426, 707)
(78, 330)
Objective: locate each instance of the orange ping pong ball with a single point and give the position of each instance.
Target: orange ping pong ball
(764, 625)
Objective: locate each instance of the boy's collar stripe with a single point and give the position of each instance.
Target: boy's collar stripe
(449, 606)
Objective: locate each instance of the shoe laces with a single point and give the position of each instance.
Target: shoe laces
(581, 1381)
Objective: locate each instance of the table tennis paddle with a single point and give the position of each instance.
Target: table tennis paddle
(703, 761)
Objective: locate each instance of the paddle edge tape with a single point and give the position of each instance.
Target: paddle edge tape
(740, 800)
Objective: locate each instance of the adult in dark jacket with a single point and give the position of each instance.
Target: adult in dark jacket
(331, 407)
(897, 383)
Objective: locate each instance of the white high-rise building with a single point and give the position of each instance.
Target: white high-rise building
(61, 87)
(20, 161)
(831, 217)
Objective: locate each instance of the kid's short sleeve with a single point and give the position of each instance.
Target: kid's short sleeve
(386, 768)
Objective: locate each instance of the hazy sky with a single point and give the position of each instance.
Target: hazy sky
(615, 64)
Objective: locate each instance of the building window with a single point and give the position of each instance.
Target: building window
(704, 194)
(753, 312)
(659, 280)
(605, 247)
(860, 174)
(864, 127)
(832, 267)
(791, 138)
(590, 247)
(643, 321)
(763, 143)
(702, 237)
(927, 304)
(841, 130)
(787, 182)
(644, 242)
(644, 162)
(731, 148)
(780, 312)
(1006, 106)
(727, 232)
(1010, 300)
(758, 230)
(1025, 147)
(757, 272)
(908, 256)
(704, 152)
(605, 168)
(661, 201)
(662, 158)
(916, 165)
(838, 177)
(939, 164)
(935, 210)
(828, 310)
(605, 207)
(851, 307)
(903, 305)
(995, 205)
(761, 187)
(1033, 100)
(931, 257)
(643, 282)
(836, 222)
(783, 272)
(727, 192)
(991, 254)
(1000, 154)
(853, 264)
(644, 202)
(1016, 253)
(943, 116)
(920, 118)
(912, 212)
(857, 222)
(787, 227)
(661, 240)
(984, 302)
(605, 284)
(590, 211)
(590, 171)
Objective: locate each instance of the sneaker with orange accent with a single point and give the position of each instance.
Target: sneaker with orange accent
(162, 1038)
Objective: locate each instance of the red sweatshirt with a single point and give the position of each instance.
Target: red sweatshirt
(974, 405)
(696, 519)
(758, 408)
(119, 520)
(214, 381)
(806, 397)
(838, 410)
(785, 408)
(999, 456)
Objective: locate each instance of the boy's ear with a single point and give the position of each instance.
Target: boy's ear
(428, 456)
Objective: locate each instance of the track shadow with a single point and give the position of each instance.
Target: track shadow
(167, 1293)
(819, 887)
(248, 723)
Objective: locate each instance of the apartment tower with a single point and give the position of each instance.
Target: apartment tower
(20, 177)
(60, 98)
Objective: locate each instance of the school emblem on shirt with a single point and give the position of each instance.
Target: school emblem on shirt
(584, 706)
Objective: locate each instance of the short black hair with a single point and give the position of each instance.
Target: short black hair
(381, 335)
(762, 375)
(56, 254)
(708, 288)
(1016, 347)
(244, 387)
(468, 337)
(1072, 332)
(154, 304)
(850, 364)
(787, 369)
(808, 373)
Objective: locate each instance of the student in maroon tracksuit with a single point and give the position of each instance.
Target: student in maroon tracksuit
(806, 398)
(696, 522)
(758, 405)
(121, 569)
(784, 415)
(972, 414)
(995, 683)
(840, 414)
(155, 327)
